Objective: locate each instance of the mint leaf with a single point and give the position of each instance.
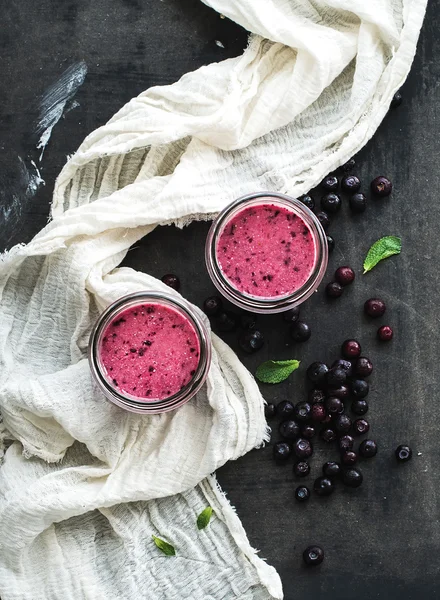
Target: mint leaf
(165, 547)
(383, 248)
(204, 517)
(274, 371)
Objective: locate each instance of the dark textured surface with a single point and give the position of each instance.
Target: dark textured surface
(383, 540)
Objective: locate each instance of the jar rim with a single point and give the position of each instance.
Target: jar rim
(133, 403)
(259, 304)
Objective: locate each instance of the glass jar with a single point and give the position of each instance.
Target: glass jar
(111, 315)
(274, 303)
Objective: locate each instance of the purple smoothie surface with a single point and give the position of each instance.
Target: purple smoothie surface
(266, 250)
(149, 351)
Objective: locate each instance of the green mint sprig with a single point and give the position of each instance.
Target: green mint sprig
(165, 547)
(204, 518)
(275, 371)
(383, 248)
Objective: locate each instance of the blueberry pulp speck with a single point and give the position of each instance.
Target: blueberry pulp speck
(334, 289)
(374, 307)
(351, 349)
(349, 458)
(363, 367)
(359, 388)
(289, 430)
(318, 413)
(313, 556)
(341, 392)
(403, 453)
(281, 451)
(336, 377)
(334, 406)
(302, 411)
(330, 183)
(248, 320)
(331, 469)
(351, 183)
(352, 477)
(346, 443)
(307, 201)
(316, 372)
(324, 219)
(291, 315)
(396, 100)
(285, 409)
(359, 407)
(308, 432)
(381, 186)
(328, 435)
(358, 203)
(226, 321)
(342, 423)
(212, 305)
(368, 449)
(331, 203)
(300, 331)
(344, 275)
(171, 281)
(301, 468)
(251, 341)
(316, 396)
(302, 448)
(270, 410)
(346, 365)
(323, 486)
(302, 493)
(385, 333)
(330, 243)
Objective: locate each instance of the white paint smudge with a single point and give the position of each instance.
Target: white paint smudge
(35, 180)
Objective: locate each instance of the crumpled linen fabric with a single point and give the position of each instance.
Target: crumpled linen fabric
(84, 485)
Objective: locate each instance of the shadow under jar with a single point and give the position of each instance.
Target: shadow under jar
(266, 252)
(149, 352)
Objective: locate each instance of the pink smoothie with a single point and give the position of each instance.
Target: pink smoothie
(150, 351)
(266, 250)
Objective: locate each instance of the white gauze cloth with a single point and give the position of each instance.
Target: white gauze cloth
(84, 485)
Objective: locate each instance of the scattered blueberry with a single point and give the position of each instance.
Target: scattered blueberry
(336, 377)
(330, 183)
(346, 443)
(359, 388)
(323, 486)
(308, 432)
(330, 243)
(331, 469)
(396, 100)
(381, 186)
(351, 349)
(248, 320)
(363, 367)
(349, 458)
(281, 451)
(316, 372)
(330, 203)
(302, 493)
(324, 219)
(270, 410)
(212, 305)
(307, 201)
(351, 183)
(328, 435)
(368, 448)
(385, 333)
(302, 448)
(352, 477)
(226, 321)
(342, 423)
(403, 453)
(301, 468)
(318, 413)
(313, 556)
(291, 315)
(316, 396)
(359, 407)
(358, 203)
(344, 275)
(341, 363)
(251, 341)
(300, 331)
(289, 430)
(171, 281)
(302, 411)
(334, 289)
(285, 409)
(341, 392)
(374, 307)
(349, 165)
(334, 406)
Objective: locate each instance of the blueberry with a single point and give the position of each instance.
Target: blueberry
(324, 219)
(323, 486)
(359, 388)
(403, 453)
(368, 448)
(316, 396)
(351, 349)
(251, 341)
(346, 443)
(396, 100)
(381, 186)
(302, 411)
(334, 289)
(316, 372)
(374, 307)
(363, 367)
(308, 432)
(328, 435)
(270, 410)
(344, 275)
(300, 331)
(352, 477)
(385, 333)
(331, 469)
(318, 413)
(226, 321)
(330, 183)
(331, 203)
(342, 392)
(313, 556)
(342, 423)
(302, 493)
(334, 406)
(302, 448)
(289, 430)
(281, 451)
(212, 305)
(291, 315)
(349, 165)
(336, 377)
(330, 243)
(248, 320)
(285, 409)
(349, 458)
(358, 203)
(351, 183)
(307, 201)
(171, 281)
(346, 365)
(301, 468)
(359, 407)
